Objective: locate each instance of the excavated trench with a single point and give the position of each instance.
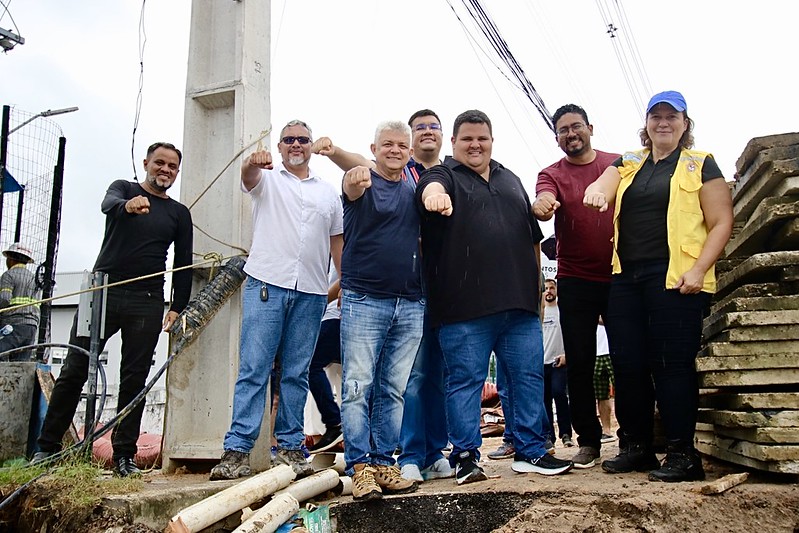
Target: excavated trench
(443, 513)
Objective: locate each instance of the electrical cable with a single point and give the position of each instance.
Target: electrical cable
(139, 96)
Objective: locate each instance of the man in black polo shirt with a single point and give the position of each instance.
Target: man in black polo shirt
(480, 252)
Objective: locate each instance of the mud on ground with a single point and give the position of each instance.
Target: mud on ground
(580, 501)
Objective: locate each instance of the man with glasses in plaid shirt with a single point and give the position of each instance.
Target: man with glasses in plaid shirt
(297, 227)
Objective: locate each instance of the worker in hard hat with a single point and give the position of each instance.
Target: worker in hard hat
(18, 287)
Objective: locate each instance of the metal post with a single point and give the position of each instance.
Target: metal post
(51, 254)
(20, 205)
(3, 157)
(98, 314)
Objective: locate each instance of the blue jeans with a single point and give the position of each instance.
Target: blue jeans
(556, 388)
(516, 339)
(507, 406)
(327, 351)
(424, 422)
(379, 341)
(287, 322)
(654, 336)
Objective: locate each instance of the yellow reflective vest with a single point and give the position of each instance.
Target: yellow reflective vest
(685, 222)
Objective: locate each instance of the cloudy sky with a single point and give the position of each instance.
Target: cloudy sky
(345, 66)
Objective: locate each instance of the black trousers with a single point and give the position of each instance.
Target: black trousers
(581, 303)
(138, 315)
(654, 336)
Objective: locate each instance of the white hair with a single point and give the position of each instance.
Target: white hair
(392, 125)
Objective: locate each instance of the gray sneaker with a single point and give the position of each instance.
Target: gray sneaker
(586, 457)
(232, 466)
(296, 460)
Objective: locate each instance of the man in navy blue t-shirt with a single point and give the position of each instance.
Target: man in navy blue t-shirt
(382, 311)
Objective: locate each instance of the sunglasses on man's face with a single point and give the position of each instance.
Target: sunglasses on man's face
(289, 140)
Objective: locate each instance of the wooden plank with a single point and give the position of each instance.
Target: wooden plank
(786, 237)
(753, 290)
(46, 383)
(760, 268)
(748, 362)
(749, 378)
(757, 145)
(740, 319)
(754, 237)
(777, 178)
(749, 420)
(758, 303)
(780, 467)
(724, 349)
(760, 452)
(742, 401)
(762, 435)
(759, 333)
(723, 484)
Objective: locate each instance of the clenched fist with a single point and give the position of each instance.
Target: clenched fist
(545, 206)
(261, 159)
(439, 203)
(323, 146)
(360, 177)
(596, 200)
(138, 205)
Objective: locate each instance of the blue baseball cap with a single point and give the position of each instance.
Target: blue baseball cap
(673, 98)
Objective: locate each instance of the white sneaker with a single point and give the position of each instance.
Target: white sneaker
(411, 472)
(438, 470)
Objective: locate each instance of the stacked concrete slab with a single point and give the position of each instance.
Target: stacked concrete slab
(749, 364)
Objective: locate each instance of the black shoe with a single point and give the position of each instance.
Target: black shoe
(683, 464)
(126, 467)
(467, 470)
(331, 437)
(40, 457)
(546, 465)
(632, 458)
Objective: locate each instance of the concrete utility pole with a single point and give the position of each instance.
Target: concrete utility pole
(227, 106)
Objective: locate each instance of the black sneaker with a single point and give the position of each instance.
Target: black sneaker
(546, 465)
(680, 465)
(331, 437)
(632, 458)
(467, 470)
(126, 467)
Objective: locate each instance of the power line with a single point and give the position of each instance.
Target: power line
(491, 33)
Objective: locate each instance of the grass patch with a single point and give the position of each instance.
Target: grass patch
(74, 481)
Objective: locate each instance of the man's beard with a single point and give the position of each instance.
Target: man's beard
(153, 181)
(549, 298)
(296, 160)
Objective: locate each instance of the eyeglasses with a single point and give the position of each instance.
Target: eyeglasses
(422, 127)
(577, 127)
(289, 140)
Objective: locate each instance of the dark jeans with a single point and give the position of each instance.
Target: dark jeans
(23, 335)
(327, 351)
(555, 388)
(654, 336)
(581, 303)
(138, 314)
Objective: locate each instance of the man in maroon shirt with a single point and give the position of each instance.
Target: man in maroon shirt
(583, 252)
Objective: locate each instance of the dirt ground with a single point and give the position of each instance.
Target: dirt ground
(580, 501)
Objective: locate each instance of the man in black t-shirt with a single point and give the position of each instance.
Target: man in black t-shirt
(480, 245)
(141, 223)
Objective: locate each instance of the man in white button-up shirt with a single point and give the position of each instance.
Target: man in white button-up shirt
(297, 227)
